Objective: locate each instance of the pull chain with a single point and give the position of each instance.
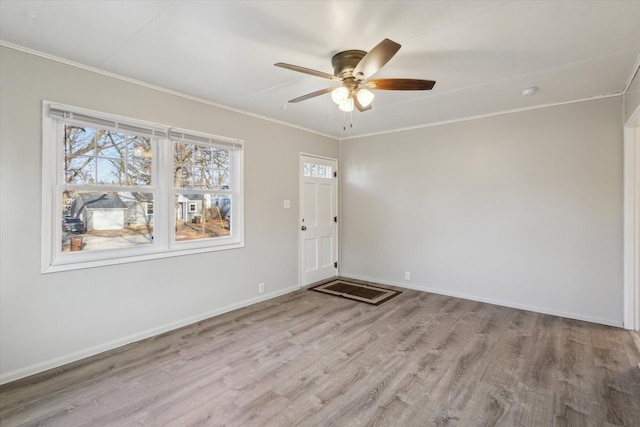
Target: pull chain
(344, 120)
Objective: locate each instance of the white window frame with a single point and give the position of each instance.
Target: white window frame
(163, 244)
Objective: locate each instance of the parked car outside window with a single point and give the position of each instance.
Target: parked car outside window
(72, 224)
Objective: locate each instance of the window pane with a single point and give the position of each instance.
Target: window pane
(106, 220)
(99, 156)
(139, 162)
(110, 144)
(110, 171)
(200, 216)
(182, 165)
(317, 171)
(220, 168)
(80, 170)
(198, 177)
(329, 172)
(78, 141)
(201, 166)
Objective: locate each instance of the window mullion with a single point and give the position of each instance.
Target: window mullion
(162, 205)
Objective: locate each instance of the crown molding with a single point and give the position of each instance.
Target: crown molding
(483, 116)
(154, 87)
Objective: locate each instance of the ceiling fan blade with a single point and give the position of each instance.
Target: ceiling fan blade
(375, 59)
(307, 71)
(400, 84)
(359, 105)
(312, 94)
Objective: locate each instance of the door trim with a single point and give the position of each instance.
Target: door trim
(337, 198)
(631, 272)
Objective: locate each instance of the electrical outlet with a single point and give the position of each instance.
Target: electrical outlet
(407, 275)
(261, 287)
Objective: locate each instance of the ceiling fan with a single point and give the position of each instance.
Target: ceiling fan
(353, 68)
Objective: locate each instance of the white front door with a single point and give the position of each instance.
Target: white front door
(318, 219)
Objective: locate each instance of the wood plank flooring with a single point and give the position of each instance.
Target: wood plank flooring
(310, 359)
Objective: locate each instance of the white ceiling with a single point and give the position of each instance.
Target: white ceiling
(481, 53)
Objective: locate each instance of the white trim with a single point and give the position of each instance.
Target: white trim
(154, 87)
(64, 112)
(91, 351)
(340, 213)
(484, 116)
(79, 265)
(634, 71)
(631, 269)
(49, 151)
(203, 138)
(317, 156)
(502, 303)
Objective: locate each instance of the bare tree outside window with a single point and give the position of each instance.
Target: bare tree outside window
(100, 157)
(201, 174)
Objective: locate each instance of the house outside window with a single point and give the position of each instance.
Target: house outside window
(202, 181)
(126, 190)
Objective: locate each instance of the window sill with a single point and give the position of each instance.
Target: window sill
(121, 258)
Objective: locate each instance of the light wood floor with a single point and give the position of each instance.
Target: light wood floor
(310, 359)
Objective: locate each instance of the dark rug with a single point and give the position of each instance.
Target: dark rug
(356, 291)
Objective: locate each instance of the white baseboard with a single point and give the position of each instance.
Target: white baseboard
(503, 303)
(92, 351)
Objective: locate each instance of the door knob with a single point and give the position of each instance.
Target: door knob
(304, 227)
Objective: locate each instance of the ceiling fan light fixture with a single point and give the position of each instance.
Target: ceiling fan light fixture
(365, 97)
(340, 95)
(346, 105)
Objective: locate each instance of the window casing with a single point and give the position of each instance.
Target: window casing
(139, 190)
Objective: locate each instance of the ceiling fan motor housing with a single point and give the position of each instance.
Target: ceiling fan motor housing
(345, 62)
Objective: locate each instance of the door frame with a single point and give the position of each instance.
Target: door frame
(337, 198)
(631, 272)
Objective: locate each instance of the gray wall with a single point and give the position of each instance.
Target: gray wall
(49, 319)
(522, 209)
